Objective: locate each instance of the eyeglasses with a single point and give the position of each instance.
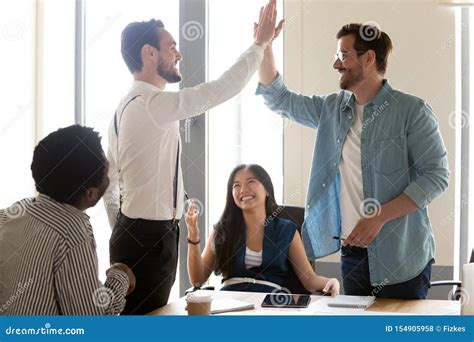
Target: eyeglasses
(342, 55)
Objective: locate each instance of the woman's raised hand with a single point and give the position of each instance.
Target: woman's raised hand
(191, 219)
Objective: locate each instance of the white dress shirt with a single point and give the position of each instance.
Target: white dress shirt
(148, 140)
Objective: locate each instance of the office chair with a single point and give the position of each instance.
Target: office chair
(296, 215)
(292, 283)
(456, 295)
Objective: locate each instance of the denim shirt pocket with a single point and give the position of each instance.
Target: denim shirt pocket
(390, 156)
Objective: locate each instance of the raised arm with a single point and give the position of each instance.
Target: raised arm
(267, 71)
(200, 266)
(305, 273)
(303, 109)
(189, 102)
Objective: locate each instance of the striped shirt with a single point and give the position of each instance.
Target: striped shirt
(252, 259)
(48, 263)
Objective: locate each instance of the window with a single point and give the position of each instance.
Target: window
(460, 120)
(17, 122)
(56, 65)
(241, 130)
(466, 119)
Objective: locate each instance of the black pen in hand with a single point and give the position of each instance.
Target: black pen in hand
(338, 238)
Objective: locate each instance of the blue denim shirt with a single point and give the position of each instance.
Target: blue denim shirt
(402, 151)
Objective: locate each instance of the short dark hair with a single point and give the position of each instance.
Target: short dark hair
(369, 37)
(67, 162)
(134, 36)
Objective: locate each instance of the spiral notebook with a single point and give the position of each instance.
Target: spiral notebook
(355, 302)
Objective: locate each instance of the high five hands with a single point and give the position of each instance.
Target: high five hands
(265, 31)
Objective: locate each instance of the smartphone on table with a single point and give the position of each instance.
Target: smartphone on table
(284, 300)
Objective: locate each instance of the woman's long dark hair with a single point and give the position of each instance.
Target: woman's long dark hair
(231, 225)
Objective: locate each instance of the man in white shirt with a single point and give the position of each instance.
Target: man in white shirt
(146, 194)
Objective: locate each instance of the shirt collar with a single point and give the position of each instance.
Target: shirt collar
(140, 84)
(383, 94)
(378, 100)
(47, 202)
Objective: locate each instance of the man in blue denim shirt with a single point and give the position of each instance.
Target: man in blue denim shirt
(379, 160)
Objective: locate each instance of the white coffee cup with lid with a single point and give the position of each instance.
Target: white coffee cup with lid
(199, 303)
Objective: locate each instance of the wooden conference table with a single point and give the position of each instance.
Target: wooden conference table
(381, 306)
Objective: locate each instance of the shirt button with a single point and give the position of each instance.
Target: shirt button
(307, 206)
(324, 185)
(338, 141)
(350, 116)
(334, 164)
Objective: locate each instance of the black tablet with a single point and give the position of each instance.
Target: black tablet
(283, 300)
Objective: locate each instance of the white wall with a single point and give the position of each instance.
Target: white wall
(422, 63)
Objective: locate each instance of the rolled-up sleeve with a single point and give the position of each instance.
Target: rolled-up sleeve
(427, 154)
(303, 109)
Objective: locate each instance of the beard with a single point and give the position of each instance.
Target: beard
(169, 73)
(100, 190)
(350, 79)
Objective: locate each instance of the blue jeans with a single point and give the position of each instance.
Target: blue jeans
(356, 278)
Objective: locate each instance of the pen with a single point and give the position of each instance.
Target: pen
(338, 238)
